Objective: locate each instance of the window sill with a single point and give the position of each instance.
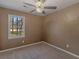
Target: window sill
(16, 37)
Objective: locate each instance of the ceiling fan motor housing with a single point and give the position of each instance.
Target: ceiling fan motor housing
(41, 1)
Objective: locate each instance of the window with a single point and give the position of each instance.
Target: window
(16, 26)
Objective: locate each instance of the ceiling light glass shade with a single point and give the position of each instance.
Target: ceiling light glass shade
(39, 10)
(39, 4)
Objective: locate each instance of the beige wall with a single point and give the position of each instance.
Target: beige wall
(33, 29)
(62, 28)
(0, 34)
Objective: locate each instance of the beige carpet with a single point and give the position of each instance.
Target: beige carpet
(38, 51)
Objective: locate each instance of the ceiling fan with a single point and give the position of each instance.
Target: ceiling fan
(39, 6)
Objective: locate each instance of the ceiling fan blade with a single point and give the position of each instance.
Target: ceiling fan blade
(50, 7)
(29, 4)
(33, 10)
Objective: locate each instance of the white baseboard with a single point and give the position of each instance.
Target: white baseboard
(75, 55)
(19, 47)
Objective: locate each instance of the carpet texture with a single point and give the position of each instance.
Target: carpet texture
(38, 51)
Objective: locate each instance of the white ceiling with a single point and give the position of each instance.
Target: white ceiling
(18, 5)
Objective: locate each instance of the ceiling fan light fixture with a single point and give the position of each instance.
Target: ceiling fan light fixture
(39, 10)
(39, 6)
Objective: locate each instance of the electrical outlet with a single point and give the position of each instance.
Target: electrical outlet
(67, 46)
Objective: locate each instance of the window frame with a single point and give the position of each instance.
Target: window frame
(11, 36)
